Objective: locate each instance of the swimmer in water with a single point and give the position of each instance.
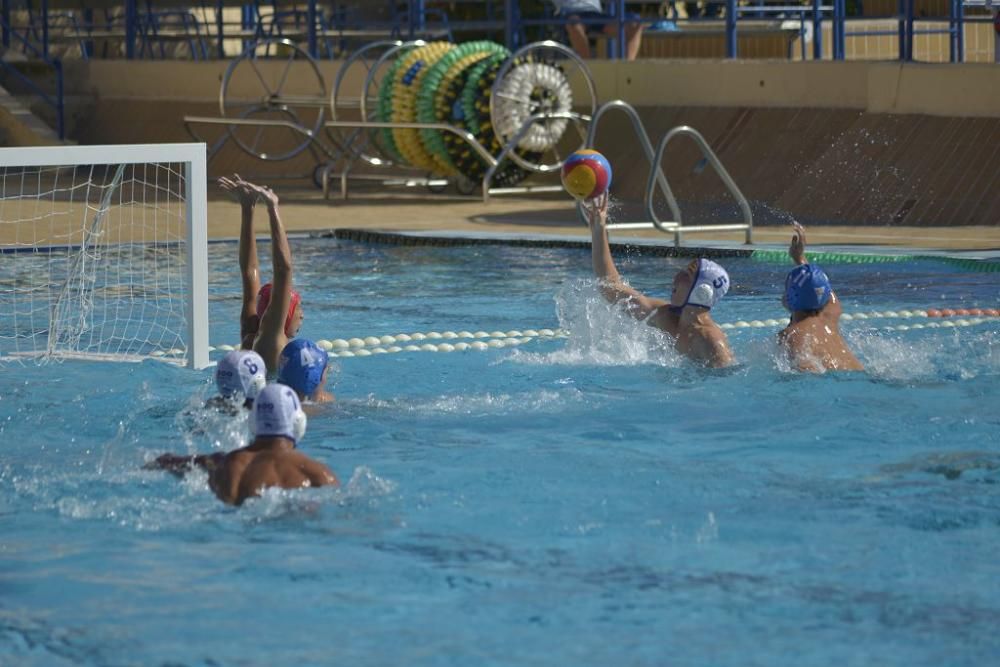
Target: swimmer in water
(303, 366)
(272, 314)
(812, 338)
(271, 460)
(686, 317)
(239, 377)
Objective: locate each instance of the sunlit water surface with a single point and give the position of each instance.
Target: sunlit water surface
(590, 500)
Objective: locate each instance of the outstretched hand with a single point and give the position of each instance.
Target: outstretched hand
(244, 191)
(797, 248)
(597, 211)
(247, 193)
(267, 195)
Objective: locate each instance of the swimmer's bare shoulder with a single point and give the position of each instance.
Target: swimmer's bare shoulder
(224, 478)
(286, 470)
(715, 348)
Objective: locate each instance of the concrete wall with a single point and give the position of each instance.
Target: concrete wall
(937, 89)
(857, 143)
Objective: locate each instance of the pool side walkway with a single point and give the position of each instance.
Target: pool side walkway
(554, 220)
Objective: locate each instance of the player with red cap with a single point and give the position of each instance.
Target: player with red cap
(272, 314)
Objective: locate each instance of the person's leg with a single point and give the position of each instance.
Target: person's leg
(633, 36)
(577, 33)
(633, 39)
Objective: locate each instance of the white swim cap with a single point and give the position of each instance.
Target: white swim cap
(711, 282)
(241, 373)
(277, 411)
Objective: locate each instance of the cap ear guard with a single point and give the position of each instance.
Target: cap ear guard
(702, 295)
(709, 284)
(299, 422)
(257, 385)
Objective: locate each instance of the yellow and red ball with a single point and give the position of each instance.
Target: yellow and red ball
(586, 174)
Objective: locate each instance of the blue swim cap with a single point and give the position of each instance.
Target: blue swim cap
(301, 366)
(807, 288)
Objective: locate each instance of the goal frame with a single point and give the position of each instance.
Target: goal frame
(193, 157)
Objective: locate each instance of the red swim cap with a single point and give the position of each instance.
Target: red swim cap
(264, 299)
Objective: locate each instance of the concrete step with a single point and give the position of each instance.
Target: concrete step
(19, 126)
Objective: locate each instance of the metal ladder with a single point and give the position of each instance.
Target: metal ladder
(676, 225)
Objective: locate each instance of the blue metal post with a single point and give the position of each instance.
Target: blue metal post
(510, 23)
(220, 28)
(418, 18)
(839, 11)
(130, 31)
(5, 18)
(45, 29)
(311, 29)
(731, 9)
(620, 15)
(909, 29)
(817, 30)
(901, 29)
(248, 22)
(957, 42)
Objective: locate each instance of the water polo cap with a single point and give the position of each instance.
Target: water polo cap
(241, 373)
(709, 285)
(278, 412)
(807, 287)
(301, 366)
(264, 300)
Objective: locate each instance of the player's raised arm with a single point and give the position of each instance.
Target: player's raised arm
(612, 286)
(246, 194)
(273, 319)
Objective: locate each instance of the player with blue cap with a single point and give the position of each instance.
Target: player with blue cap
(271, 460)
(686, 317)
(303, 366)
(812, 338)
(239, 376)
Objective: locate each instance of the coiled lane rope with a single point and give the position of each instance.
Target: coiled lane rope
(483, 340)
(526, 89)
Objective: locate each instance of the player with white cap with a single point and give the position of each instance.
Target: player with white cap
(686, 317)
(239, 376)
(271, 460)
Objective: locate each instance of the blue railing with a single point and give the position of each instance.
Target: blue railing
(57, 99)
(326, 27)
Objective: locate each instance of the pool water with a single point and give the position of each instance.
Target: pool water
(588, 500)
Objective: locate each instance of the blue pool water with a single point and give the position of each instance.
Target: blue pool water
(590, 500)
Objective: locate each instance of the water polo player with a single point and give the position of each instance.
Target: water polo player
(303, 366)
(686, 317)
(239, 377)
(812, 339)
(271, 460)
(272, 314)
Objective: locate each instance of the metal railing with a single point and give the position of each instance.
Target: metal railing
(215, 28)
(658, 179)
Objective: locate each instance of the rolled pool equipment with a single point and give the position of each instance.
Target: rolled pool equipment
(474, 114)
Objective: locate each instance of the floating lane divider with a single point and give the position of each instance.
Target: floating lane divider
(461, 341)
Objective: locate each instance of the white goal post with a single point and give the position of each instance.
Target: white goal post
(104, 253)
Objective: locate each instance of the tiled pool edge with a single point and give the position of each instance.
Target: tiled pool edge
(987, 261)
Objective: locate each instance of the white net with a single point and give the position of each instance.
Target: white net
(94, 261)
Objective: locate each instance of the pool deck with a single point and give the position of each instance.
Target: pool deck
(548, 218)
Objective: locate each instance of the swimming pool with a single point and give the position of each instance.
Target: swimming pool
(586, 500)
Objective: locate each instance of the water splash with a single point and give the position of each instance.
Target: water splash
(601, 334)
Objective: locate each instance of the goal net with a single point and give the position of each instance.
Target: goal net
(103, 253)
